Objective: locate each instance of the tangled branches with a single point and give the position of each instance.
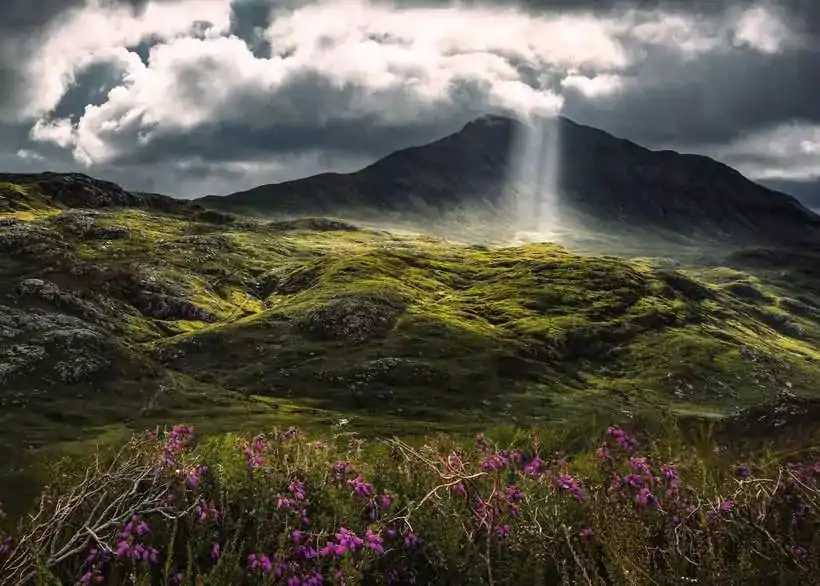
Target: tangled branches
(64, 525)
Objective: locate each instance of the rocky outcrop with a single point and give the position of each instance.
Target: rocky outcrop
(355, 318)
(33, 240)
(45, 341)
(77, 190)
(65, 300)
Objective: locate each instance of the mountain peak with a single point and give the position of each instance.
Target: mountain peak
(601, 181)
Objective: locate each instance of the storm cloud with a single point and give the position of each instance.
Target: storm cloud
(210, 96)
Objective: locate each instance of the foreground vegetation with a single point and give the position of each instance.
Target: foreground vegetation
(282, 508)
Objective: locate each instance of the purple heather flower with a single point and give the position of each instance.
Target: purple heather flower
(374, 541)
(496, 461)
(586, 532)
(743, 471)
(535, 467)
(390, 532)
(361, 487)
(513, 494)
(297, 489)
(602, 453)
(385, 500)
(643, 497)
(622, 438)
(195, 474)
(341, 470)
(799, 552)
(503, 531)
(567, 483)
(410, 539)
(459, 489)
(348, 539)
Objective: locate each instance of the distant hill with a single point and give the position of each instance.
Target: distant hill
(603, 180)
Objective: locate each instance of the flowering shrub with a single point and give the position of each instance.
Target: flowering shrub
(279, 509)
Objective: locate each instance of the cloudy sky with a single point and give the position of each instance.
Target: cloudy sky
(192, 97)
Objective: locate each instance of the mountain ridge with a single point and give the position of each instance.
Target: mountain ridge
(603, 181)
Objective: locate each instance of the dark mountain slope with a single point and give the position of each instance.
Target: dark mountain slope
(603, 181)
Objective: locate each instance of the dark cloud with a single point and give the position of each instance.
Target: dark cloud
(91, 87)
(708, 101)
(670, 101)
(248, 19)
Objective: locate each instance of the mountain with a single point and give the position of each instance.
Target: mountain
(603, 182)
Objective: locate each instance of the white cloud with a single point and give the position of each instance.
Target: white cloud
(91, 33)
(599, 85)
(788, 151)
(763, 30)
(347, 60)
(29, 155)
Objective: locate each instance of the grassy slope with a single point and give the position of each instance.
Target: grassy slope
(431, 335)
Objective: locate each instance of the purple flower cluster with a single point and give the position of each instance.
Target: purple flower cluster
(195, 475)
(296, 500)
(567, 483)
(495, 461)
(176, 441)
(341, 470)
(260, 562)
(93, 565)
(130, 546)
(622, 438)
(206, 511)
(535, 467)
(361, 487)
(255, 451)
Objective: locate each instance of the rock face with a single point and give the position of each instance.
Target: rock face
(601, 179)
(59, 347)
(356, 318)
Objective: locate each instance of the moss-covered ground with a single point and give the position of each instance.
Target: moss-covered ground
(312, 321)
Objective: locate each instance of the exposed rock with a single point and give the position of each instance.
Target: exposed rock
(80, 350)
(18, 359)
(80, 365)
(33, 240)
(49, 291)
(110, 232)
(160, 306)
(395, 371)
(83, 224)
(37, 320)
(356, 318)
